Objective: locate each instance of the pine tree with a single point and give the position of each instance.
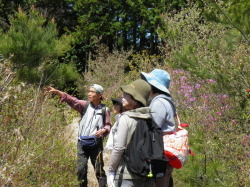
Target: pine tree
(33, 41)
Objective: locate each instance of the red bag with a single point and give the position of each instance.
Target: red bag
(176, 147)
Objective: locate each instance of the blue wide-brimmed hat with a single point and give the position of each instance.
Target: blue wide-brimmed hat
(158, 78)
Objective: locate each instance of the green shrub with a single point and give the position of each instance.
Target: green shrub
(36, 147)
(33, 41)
(209, 50)
(106, 70)
(217, 138)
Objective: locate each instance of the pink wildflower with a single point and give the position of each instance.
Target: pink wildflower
(197, 86)
(183, 78)
(211, 80)
(192, 99)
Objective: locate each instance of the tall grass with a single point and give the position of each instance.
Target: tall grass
(34, 147)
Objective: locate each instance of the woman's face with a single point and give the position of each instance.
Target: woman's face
(117, 108)
(128, 102)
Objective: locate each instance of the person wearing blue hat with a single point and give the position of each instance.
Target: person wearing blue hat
(162, 110)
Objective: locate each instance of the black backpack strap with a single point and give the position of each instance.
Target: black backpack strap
(121, 175)
(85, 109)
(104, 114)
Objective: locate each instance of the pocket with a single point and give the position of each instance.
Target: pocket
(89, 141)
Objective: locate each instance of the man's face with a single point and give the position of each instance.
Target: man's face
(93, 96)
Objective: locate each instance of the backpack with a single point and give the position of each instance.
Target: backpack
(176, 147)
(144, 156)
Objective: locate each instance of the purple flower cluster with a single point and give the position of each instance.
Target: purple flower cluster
(198, 97)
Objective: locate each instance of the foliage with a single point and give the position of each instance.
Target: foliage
(205, 54)
(60, 10)
(208, 50)
(122, 25)
(234, 13)
(217, 108)
(119, 67)
(119, 24)
(107, 69)
(218, 140)
(35, 146)
(34, 44)
(239, 12)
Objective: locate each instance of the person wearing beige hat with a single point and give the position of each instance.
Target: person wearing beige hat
(135, 96)
(163, 111)
(94, 125)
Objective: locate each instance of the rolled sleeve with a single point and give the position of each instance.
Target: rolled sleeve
(107, 125)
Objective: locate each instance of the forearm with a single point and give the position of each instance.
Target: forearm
(60, 93)
(73, 102)
(107, 129)
(115, 158)
(76, 104)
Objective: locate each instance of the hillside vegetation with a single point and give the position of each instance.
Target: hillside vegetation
(209, 63)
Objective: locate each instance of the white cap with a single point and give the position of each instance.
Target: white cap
(98, 88)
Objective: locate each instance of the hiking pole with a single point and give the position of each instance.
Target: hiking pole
(99, 160)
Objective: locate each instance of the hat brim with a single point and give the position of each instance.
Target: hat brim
(114, 101)
(152, 81)
(128, 89)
